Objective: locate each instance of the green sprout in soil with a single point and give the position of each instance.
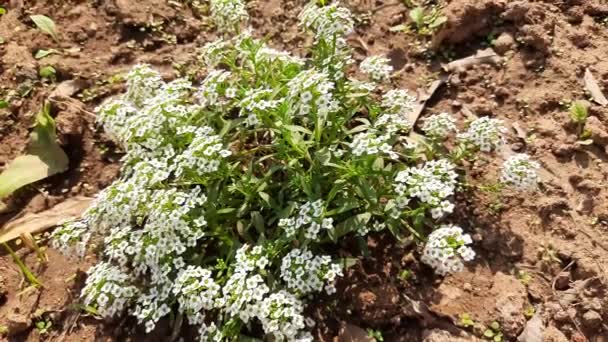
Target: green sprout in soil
(43, 326)
(46, 25)
(465, 320)
(578, 115)
(405, 275)
(493, 333)
(524, 277)
(425, 21)
(48, 72)
(375, 334)
(529, 311)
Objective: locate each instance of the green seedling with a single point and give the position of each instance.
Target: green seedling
(405, 275)
(493, 333)
(524, 277)
(375, 334)
(529, 311)
(48, 72)
(466, 320)
(44, 326)
(46, 25)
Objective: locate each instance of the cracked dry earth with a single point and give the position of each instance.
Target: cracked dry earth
(542, 257)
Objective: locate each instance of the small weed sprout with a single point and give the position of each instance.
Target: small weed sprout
(234, 191)
(465, 320)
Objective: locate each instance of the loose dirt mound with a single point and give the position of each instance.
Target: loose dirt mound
(543, 253)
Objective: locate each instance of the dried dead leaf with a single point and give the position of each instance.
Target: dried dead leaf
(533, 332)
(36, 223)
(594, 89)
(486, 56)
(67, 88)
(45, 158)
(423, 96)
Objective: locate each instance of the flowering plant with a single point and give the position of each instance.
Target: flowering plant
(232, 189)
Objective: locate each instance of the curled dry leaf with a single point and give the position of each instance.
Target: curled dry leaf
(423, 96)
(36, 223)
(594, 89)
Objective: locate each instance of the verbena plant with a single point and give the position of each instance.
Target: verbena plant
(233, 190)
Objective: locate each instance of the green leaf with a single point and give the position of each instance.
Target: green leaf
(488, 333)
(44, 53)
(44, 158)
(47, 72)
(265, 197)
(2, 11)
(3, 104)
(350, 225)
(495, 326)
(417, 15)
(297, 128)
(438, 22)
(225, 211)
(258, 221)
(46, 25)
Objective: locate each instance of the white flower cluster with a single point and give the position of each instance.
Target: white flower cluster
(108, 289)
(306, 273)
(281, 316)
(242, 296)
(249, 259)
(485, 133)
(310, 218)
(392, 123)
(370, 144)
(439, 126)
(71, 238)
(398, 101)
(520, 172)
(377, 67)
(142, 83)
(327, 22)
(228, 14)
(431, 184)
(447, 248)
(204, 154)
(196, 291)
(214, 89)
(311, 92)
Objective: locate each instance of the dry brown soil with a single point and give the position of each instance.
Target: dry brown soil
(543, 252)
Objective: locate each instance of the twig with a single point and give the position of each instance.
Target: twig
(487, 56)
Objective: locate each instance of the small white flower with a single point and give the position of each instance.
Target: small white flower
(439, 126)
(485, 133)
(377, 67)
(520, 172)
(446, 249)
